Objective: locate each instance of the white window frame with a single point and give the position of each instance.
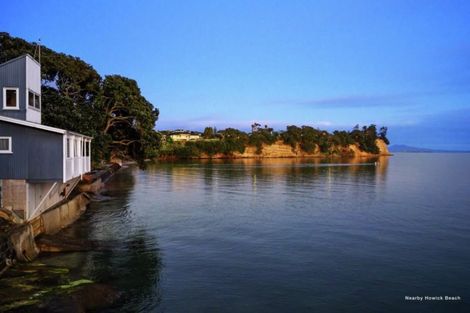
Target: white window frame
(9, 151)
(5, 107)
(29, 104)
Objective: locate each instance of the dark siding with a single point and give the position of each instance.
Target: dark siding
(37, 154)
(13, 74)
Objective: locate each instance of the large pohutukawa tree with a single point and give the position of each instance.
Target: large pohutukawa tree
(128, 119)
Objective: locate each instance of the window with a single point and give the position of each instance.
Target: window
(5, 145)
(34, 100)
(67, 148)
(10, 99)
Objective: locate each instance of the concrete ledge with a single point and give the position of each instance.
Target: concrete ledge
(62, 216)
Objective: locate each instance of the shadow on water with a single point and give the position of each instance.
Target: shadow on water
(133, 265)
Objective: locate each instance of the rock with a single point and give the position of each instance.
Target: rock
(48, 243)
(22, 239)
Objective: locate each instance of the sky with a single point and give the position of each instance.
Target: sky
(328, 64)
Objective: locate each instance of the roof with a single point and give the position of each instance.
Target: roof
(39, 126)
(19, 58)
(188, 133)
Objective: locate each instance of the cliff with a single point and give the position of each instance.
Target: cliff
(383, 148)
(281, 150)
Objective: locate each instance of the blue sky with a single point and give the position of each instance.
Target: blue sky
(330, 64)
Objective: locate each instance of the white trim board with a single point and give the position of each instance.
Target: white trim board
(31, 124)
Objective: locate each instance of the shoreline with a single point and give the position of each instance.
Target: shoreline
(261, 157)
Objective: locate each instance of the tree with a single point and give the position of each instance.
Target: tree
(234, 140)
(310, 138)
(128, 118)
(292, 136)
(255, 127)
(342, 138)
(365, 138)
(208, 133)
(383, 135)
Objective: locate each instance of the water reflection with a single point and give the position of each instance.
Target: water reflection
(134, 264)
(224, 174)
(192, 197)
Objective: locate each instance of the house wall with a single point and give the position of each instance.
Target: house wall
(14, 194)
(33, 83)
(13, 74)
(182, 137)
(23, 73)
(37, 154)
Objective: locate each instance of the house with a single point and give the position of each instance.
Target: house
(182, 135)
(39, 164)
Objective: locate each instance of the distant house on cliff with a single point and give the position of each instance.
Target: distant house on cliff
(183, 135)
(39, 165)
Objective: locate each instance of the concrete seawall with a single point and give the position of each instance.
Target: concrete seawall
(20, 236)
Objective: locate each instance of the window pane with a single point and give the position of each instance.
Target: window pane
(37, 101)
(4, 145)
(11, 98)
(68, 148)
(31, 99)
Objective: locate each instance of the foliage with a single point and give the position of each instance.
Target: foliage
(308, 138)
(128, 118)
(208, 133)
(234, 140)
(365, 138)
(383, 135)
(342, 138)
(292, 136)
(262, 136)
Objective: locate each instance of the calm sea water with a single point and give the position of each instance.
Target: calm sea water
(284, 236)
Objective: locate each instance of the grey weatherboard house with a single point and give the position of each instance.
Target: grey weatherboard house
(39, 164)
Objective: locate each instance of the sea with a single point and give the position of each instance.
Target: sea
(387, 234)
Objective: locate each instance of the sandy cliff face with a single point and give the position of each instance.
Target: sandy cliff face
(383, 148)
(281, 150)
(277, 150)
